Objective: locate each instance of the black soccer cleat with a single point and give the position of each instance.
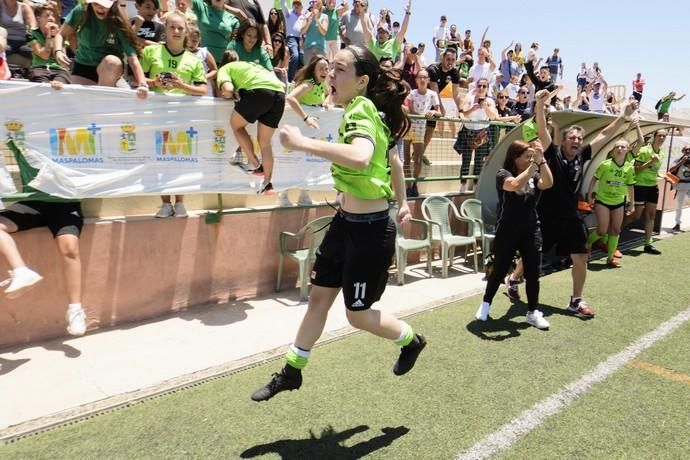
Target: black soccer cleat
(279, 382)
(409, 354)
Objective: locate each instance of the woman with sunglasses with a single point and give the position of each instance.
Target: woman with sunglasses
(276, 22)
(360, 241)
(525, 174)
(478, 110)
(281, 57)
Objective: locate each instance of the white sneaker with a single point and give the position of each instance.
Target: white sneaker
(21, 279)
(536, 319)
(483, 311)
(304, 199)
(284, 199)
(166, 210)
(179, 209)
(76, 321)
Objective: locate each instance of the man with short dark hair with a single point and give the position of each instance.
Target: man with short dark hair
(351, 28)
(555, 65)
(444, 73)
(561, 226)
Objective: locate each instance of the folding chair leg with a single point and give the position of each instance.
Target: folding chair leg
(429, 256)
(475, 258)
(444, 262)
(279, 278)
(303, 280)
(401, 262)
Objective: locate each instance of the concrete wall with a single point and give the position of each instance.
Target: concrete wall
(140, 268)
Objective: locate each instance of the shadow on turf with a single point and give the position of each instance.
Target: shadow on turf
(328, 444)
(503, 328)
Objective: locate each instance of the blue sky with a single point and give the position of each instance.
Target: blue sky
(624, 37)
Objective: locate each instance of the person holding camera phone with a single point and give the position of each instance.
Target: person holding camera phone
(172, 69)
(44, 67)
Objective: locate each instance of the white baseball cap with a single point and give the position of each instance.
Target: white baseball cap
(103, 3)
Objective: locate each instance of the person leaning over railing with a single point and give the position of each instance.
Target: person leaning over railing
(478, 110)
(247, 43)
(259, 97)
(44, 67)
(101, 33)
(385, 47)
(217, 23)
(310, 89)
(171, 69)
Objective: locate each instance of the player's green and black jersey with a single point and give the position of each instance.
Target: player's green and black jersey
(614, 181)
(362, 119)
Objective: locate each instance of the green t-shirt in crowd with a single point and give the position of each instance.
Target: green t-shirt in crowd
(389, 49)
(216, 26)
(333, 24)
(248, 76)
(257, 55)
(36, 60)
(156, 59)
(316, 95)
(362, 119)
(95, 40)
(614, 181)
(648, 176)
(665, 105)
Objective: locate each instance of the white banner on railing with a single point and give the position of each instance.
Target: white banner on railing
(104, 142)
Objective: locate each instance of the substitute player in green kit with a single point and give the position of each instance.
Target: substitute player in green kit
(360, 242)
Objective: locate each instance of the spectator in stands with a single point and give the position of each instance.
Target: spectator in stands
(583, 101)
(252, 10)
(145, 27)
(483, 68)
(194, 47)
(351, 24)
(44, 67)
(597, 99)
(65, 220)
(409, 65)
(611, 103)
(183, 6)
(522, 105)
(582, 78)
(454, 39)
(217, 23)
(314, 28)
(543, 79)
(170, 68)
(247, 44)
(532, 55)
(103, 34)
(519, 57)
(420, 54)
(508, 66)
(384, 46)
(560, 225)
(334, 14)
(664, 104)
(311, 90)
(525, 174)
(359, 244)
(440, 38)
(467, 43)
(441, 75)
(681, 168)
(512, 88)
(276, 21)
(261, 98)
(638, 87)
(293, 27)
(478, 110)
(614, 196)
(421, 101)
(647, 164)
(555, 64)
(567, 104)
(17, 17)
(5, 73)
(281, 57)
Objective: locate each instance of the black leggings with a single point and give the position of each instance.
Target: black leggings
(528, 242)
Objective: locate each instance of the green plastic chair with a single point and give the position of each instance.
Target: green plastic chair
(301, 247)
(437, 211)
(472, 209)
(403, 245)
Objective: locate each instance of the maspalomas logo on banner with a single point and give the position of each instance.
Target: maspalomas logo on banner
(15, 132)
(76, 145)
(177, 145)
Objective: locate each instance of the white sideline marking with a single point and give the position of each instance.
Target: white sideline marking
(533, 417)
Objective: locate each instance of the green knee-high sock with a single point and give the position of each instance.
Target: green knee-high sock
(406, 336)
(297, 358)
(593, 237)
(605, 238)
(612, 245)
